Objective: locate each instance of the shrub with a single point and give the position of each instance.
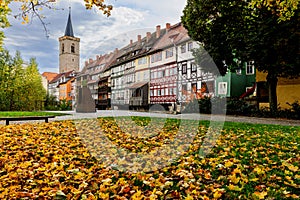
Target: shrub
(65, 105)
(240, 107)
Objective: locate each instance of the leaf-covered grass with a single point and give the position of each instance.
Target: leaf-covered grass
(57, 160)
(28, 113)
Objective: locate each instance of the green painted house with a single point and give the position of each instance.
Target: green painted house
(235, 84)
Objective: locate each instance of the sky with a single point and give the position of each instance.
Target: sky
(98, 34)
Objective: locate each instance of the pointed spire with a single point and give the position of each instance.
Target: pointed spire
(69, 28)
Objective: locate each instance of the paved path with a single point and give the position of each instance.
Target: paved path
(105, 113)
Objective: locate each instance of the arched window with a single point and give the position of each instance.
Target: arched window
(73, 48)
(63, 48)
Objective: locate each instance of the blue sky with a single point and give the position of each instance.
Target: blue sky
(99, 34)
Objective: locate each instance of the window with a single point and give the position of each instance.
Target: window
(169, 53)
(250, 68)
(193, 67)
(194, 87)
(170, 91)
(152, 93)
(238, 71)
(163, 91)
(190, 46)
(73, 48)
(184, 68)
(183, 48)
(222, 88)
(184, 89)
(152, 75)
(142, 61)
(156, 57)
(207, 87)
(158, 92)
(63, 48)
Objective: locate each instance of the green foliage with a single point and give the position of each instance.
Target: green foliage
(295, 108)
(20, 85)
(51, 103)
(248, 30)
(65, 105)
(26, 113)
(240, 107)
(4, 10)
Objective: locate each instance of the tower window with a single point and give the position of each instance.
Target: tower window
(63, 48)
(73, 48)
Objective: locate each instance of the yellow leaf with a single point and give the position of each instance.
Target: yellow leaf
(104, 195)
(254, 179)
(228, 164)
(237, 171)
(234, 187)
(260, 195)
(189, 197)
(234, 179)
(218, 193)
(259, 170)
(293, 168)
(138, 195)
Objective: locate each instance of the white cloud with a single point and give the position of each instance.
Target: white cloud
(99, 34)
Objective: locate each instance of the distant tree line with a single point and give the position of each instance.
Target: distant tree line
(20, 84)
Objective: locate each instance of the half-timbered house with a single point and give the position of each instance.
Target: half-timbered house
(163, 67)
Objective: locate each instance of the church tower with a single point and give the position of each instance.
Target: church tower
(69, 52)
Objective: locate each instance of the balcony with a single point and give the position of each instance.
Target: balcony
(104, 102)
(137, 101)
(104, 89)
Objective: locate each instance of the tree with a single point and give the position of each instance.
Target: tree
(20, 84)
(32, 8)
(266, 32)
(33, 91)
(4, 10)
(11, 71)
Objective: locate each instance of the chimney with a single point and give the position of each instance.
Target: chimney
(157, 31)
(90, 60)
(148, 36)
(86, 63)
(130, 42)
(97, 57)
(116, 50)
(139, 37)
(168, 26)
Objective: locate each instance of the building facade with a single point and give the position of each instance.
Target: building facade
(69, 52)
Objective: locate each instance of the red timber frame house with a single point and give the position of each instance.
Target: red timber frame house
(164, 69)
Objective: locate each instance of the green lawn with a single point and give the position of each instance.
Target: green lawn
(27, 113)
(79, 160)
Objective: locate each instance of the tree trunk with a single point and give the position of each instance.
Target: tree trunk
(272, 84)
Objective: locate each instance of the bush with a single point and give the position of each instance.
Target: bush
(64, 105)
(204, 105)
(240, 107)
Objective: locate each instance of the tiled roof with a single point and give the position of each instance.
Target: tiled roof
(175, 35)
(69, 28)
(49, 75)
(58, 76)
(137, 49)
